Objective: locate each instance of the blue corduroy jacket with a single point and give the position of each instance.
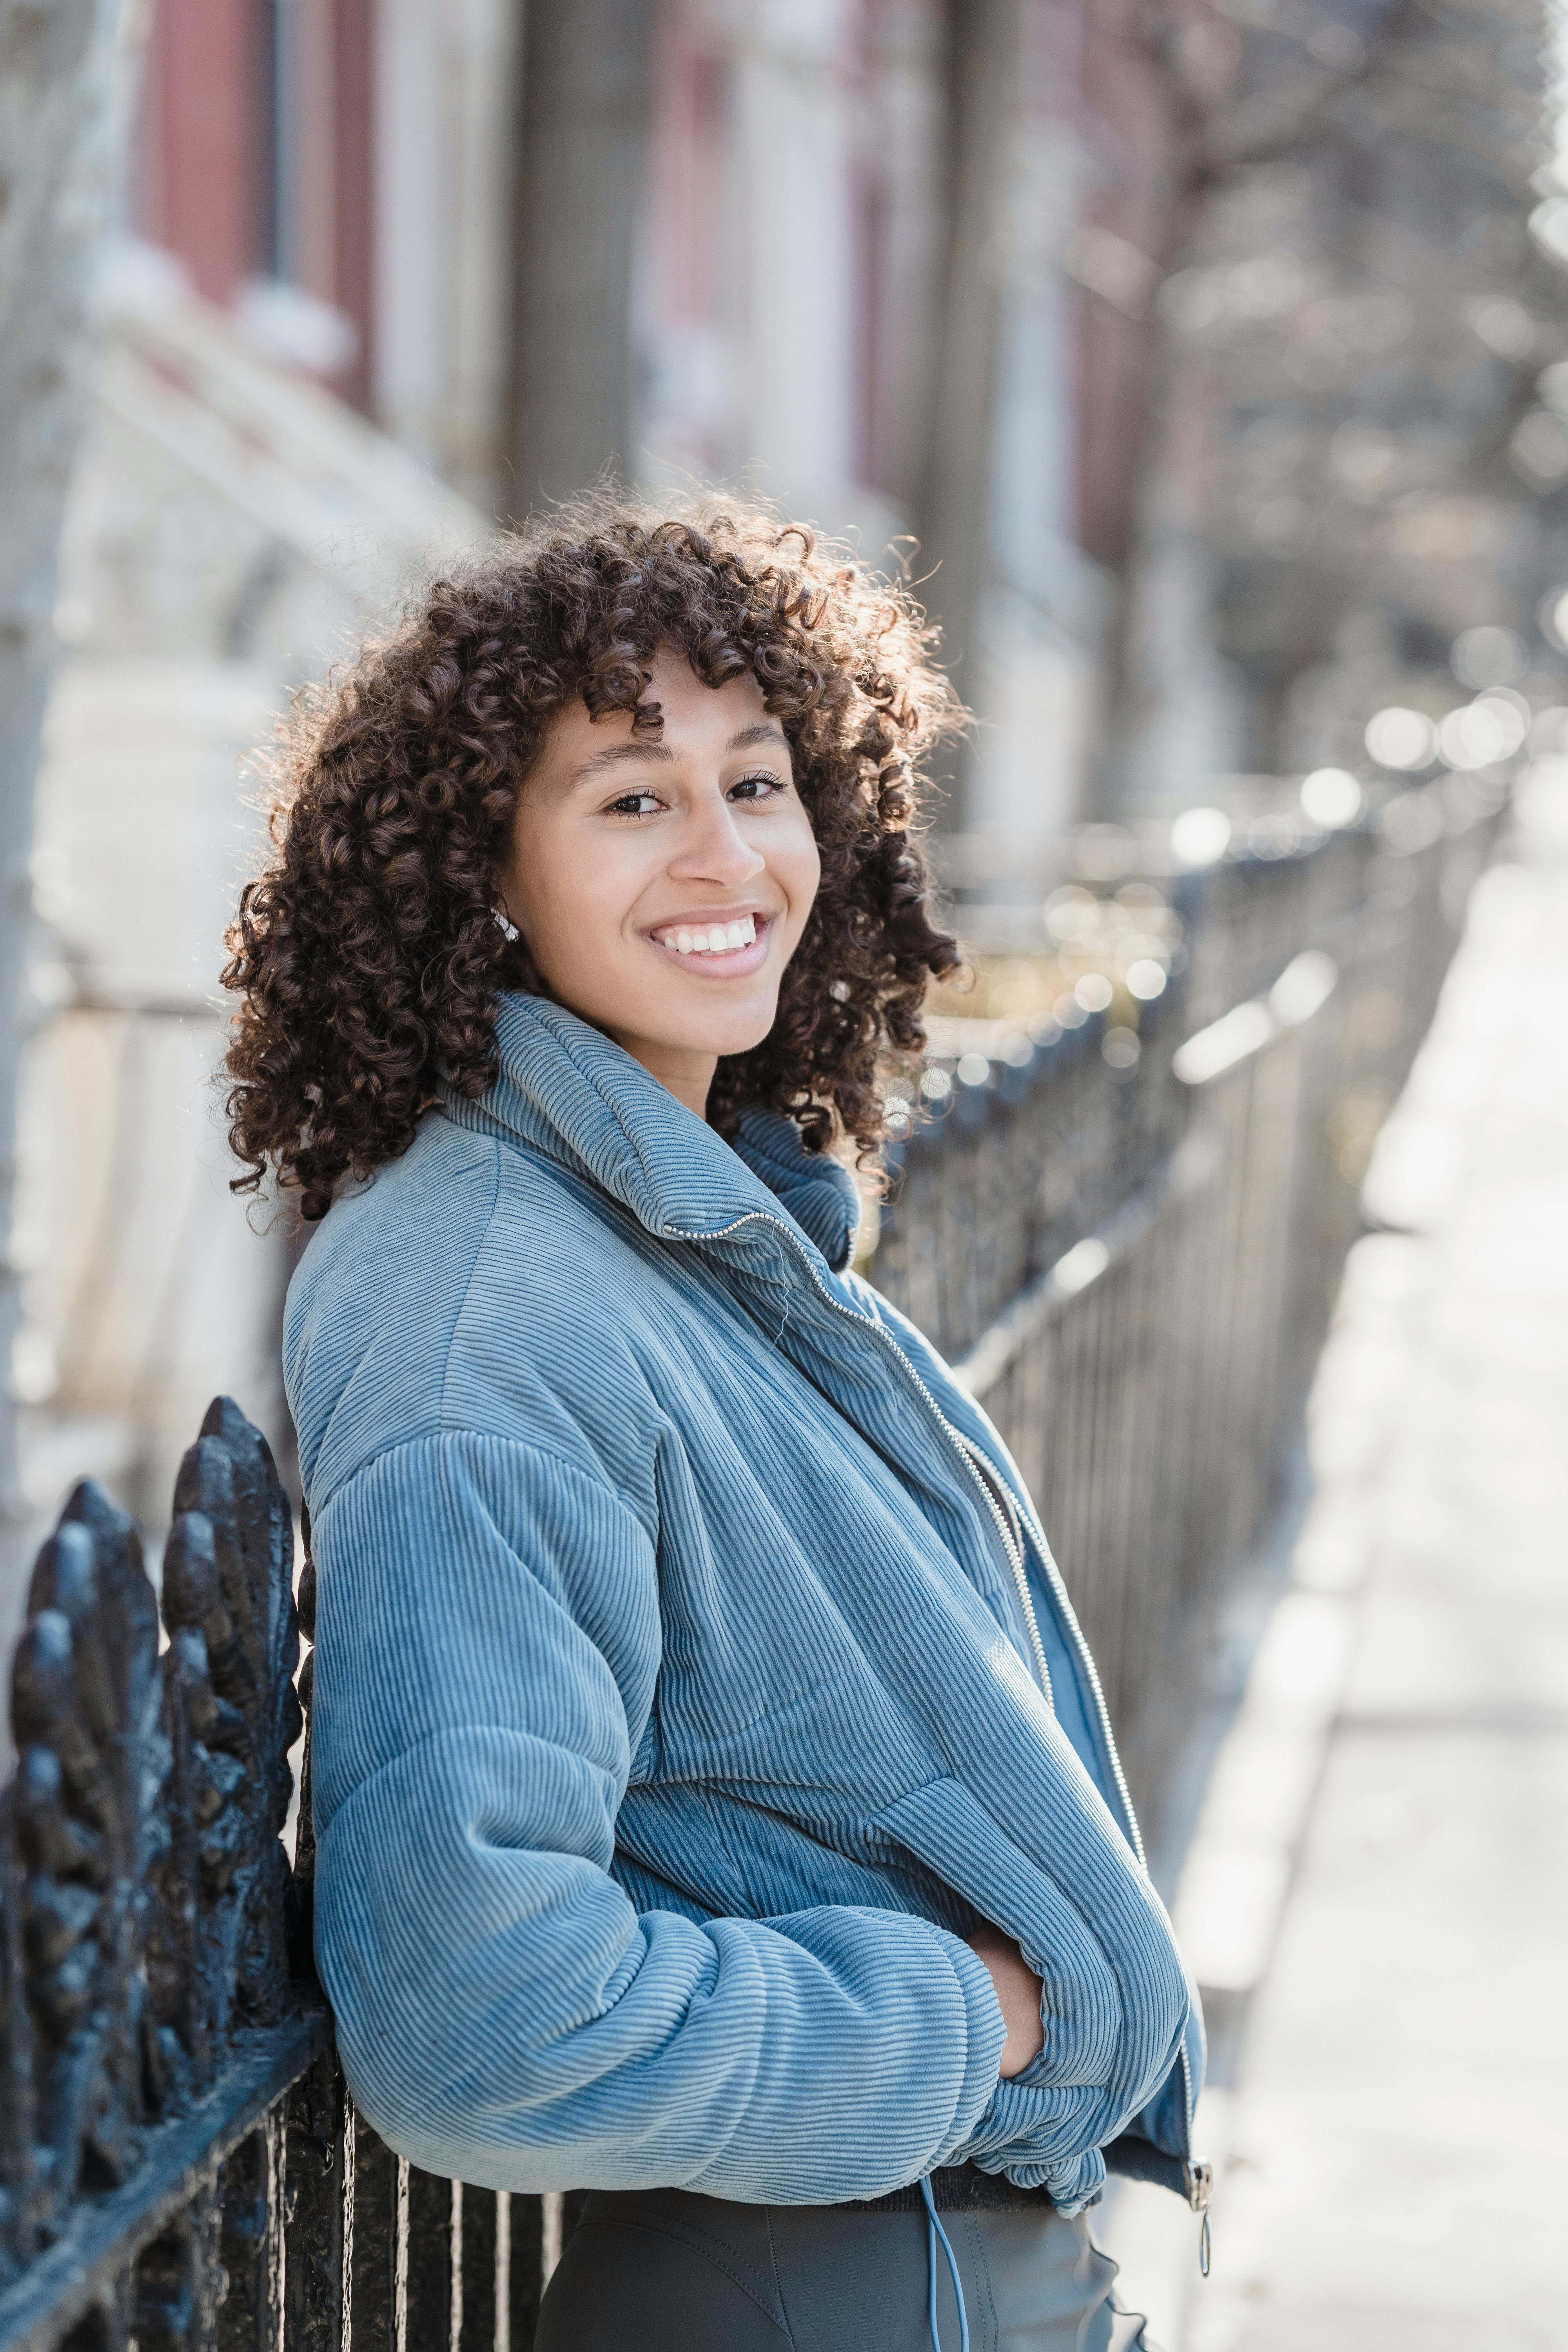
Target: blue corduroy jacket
(691, 1677)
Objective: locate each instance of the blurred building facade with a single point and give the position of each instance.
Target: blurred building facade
(1139, 332)
(883, 261)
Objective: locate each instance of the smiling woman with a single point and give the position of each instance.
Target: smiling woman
(663, 884)
(511, 745)
(715, 1804)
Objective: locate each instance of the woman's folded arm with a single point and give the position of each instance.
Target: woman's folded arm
(488, 1642)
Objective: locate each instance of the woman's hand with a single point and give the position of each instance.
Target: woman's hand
(1018, 1994)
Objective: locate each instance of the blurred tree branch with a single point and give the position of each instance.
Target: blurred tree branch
(1214, 145)
(1407, 145)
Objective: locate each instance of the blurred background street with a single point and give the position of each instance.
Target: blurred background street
(1377, 1892)
(1411, 2011)
(1206, 364)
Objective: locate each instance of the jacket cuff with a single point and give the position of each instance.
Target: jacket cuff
(1035, 2139)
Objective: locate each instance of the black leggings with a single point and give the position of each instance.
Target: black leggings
(663, 2271)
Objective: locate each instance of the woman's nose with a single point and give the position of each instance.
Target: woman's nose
(714, 848)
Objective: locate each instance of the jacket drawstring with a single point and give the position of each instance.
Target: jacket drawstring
(933, 2232)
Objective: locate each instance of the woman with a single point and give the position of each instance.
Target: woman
(715, 1803)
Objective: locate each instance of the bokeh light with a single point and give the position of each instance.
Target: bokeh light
(1071, 913)
(1487, 655)
(1199, 836)
(1331, 796)
(1539, 450)
(1491, 727)
(1398, 738)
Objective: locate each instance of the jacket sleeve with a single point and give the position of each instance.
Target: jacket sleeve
(487, 1641)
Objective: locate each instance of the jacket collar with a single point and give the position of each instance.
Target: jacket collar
(567, 1090)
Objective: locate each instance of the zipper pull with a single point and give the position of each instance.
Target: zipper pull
(1199, 2178)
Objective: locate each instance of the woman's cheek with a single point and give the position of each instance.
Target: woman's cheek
(801, 874)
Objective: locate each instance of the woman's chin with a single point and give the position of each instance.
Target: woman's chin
(725, 1040)
(726, 1032)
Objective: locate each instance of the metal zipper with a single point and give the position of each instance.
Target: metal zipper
(1012, 1540)
(1199, 2178)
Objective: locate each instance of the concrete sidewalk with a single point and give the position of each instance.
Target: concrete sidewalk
(1377, 1898)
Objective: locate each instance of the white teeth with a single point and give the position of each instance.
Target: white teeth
(720, 939)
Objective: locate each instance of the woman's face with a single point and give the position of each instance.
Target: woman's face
(662, 882)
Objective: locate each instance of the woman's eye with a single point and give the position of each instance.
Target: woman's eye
(757, 787)
(634, 804)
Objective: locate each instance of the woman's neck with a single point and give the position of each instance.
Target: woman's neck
(686, 1071)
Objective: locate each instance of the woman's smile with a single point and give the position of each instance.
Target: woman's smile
(717, 942)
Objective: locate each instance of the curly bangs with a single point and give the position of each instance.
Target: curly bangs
(364, 956)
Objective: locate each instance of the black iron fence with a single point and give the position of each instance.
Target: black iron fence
(180, 2164)
(1124, 1222)
(1125, 1225)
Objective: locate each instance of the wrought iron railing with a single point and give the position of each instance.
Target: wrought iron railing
(180, 2165)
(1132, 1261)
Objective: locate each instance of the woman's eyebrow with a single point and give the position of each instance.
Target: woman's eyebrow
(615, 754)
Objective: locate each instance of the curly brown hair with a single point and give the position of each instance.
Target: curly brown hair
(365, 957)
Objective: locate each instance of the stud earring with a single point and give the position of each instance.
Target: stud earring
(503, 922)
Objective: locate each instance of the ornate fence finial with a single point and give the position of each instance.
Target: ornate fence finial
(90, 1826)
(234, 1644)
(143, 1882)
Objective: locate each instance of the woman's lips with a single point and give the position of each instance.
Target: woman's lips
(710, 963)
